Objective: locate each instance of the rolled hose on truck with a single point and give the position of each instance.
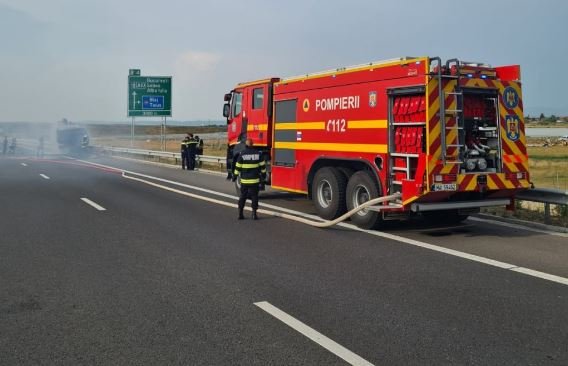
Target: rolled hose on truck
(318, 224)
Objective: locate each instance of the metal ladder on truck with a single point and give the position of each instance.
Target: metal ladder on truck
(457, 113)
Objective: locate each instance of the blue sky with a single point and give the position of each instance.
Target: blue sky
(70, 58)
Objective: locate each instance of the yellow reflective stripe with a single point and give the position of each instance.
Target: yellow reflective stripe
(262, 163)
(255, 82)
(257, 127)
(248, 166)
(378, 123)
(370, 66)
(410, 200)
(300, 126)
(250, 181)
(289, 189)
(236, 172)
(238, 165)
(324, 146)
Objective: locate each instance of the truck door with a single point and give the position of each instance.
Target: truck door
(257, 114)
(236, 117)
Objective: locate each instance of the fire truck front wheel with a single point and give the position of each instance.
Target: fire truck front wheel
(328, 193)
(360, 189)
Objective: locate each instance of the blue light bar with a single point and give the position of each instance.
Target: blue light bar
(469, 75)
(484, 76)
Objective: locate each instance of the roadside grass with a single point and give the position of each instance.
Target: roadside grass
(548, 166)
(213, 147)
(124, 130)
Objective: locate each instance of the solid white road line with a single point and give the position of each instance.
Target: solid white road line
(313, 334)
(93, 204)
(44, 176)
(400, 239)
(24, 164)
(517, 226)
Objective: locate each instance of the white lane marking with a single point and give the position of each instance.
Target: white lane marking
(313, 334)
(517, 226)
(542, 275)
(452, 252)
(293, 212)
(215, 193)
(24, 164)
(471, 257)
(44, 176)
(93, 204)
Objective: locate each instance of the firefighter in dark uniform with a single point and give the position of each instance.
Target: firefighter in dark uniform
(191, 151)
(233, 155)
(184, 154)
(252, 169)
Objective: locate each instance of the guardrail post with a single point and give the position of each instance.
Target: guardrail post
(547, 213)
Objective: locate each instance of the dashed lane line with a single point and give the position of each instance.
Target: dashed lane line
(93, 204)
(314, 335)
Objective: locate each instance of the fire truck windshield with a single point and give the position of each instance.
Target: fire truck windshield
(237, 104)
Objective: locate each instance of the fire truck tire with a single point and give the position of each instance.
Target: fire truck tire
(347, 172)
(328, 193)
(361, 188)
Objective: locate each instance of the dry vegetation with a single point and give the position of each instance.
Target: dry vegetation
(548, 165)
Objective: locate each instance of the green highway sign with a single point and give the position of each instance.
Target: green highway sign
(149, 96)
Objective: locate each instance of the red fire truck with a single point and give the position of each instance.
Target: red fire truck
(449, 137)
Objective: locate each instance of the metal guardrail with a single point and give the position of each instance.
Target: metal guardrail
(544, 195)
(221, 161)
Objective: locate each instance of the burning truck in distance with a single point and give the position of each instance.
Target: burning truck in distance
(71, 138)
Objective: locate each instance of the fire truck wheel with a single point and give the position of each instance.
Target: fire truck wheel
(347, 172)
(328, 193)
(360, 189)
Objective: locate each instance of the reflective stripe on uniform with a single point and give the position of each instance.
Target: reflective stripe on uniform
(250, 181)
(248, 166)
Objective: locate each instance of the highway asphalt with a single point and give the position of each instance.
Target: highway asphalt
(162, 278)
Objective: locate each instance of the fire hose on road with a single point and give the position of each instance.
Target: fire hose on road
(319, 224)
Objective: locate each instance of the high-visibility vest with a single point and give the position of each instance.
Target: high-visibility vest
(250, 166)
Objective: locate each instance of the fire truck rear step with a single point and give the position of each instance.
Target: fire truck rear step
(423, 207)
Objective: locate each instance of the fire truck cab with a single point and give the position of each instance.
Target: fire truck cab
(448, 136)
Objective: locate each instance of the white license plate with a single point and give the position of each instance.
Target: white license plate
(445, 187)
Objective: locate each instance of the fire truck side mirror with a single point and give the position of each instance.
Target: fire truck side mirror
(226, 110)
(227, 97)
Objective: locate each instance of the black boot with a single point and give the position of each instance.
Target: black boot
(254, 216)
(241, 216)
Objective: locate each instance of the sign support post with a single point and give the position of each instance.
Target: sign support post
(165, 134)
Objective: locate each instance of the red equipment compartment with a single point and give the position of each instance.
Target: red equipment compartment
(509, 73)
